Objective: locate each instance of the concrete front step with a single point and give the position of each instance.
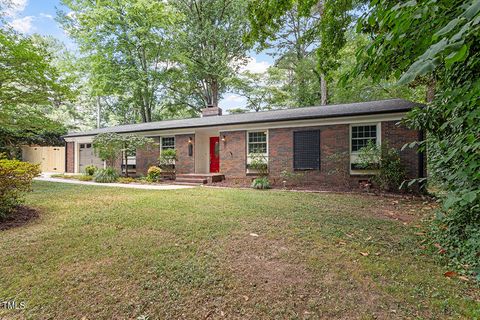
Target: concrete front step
(191, 180)
(200, 178)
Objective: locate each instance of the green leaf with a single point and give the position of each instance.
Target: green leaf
(456, 56)
(451, 200)
(472, 10)
(470, 196)
(449, 27)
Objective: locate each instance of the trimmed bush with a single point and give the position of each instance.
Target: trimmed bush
(154, 174)
(90, 170)
(261, 183)
(15, 180)
(167, 159)
(107, 175)
(85, 178)
(126, 180)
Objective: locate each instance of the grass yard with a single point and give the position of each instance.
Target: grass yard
(108, 253)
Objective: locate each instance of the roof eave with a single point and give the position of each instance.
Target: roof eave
(80, 134)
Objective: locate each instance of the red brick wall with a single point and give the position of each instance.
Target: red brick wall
(185, 163)
(333, 141)
(334, 154)
(70, 157)
(233, 152)
(147, 157)
(397, 136)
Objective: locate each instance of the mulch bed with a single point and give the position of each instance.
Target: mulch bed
(318, 188)
(20, 217)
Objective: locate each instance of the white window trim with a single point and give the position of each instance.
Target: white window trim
(249, 159)
(354, 154)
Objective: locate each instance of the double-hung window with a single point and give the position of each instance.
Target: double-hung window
(257, 146)
(360, 137)
(257, 142)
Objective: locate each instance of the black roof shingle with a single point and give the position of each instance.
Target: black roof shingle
(318, 112)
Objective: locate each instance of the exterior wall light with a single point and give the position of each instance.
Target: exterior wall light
(224, 139)
(189, 140)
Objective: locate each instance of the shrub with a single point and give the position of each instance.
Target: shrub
(258, 163)
(154, 174)
(126, 180)
(15, 180)
(85, 178)
(90, 170)
(167, 159)
(386, 161)
(335, 167)
(292, 178)
(261, 183)
(107, 175)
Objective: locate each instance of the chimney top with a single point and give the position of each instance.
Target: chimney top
(211, 110)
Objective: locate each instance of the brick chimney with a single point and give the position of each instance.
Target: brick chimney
(211, 111)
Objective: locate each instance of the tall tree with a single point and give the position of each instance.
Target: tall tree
(294, 47)
(30, 88)
(208, 41)
(362, 87)
(438, 40)
(263, 91)
(267, 18)
(126, 46)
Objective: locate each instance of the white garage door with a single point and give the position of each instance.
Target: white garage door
(88, 157)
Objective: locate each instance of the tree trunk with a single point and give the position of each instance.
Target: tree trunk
(431, 86)
(214, 90)
(323, 90)
(98, 112)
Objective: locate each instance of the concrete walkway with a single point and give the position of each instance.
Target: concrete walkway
(46, 177)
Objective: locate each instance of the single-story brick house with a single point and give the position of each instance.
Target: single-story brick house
(321, 142)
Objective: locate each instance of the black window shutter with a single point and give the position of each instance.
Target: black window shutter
(306, 150)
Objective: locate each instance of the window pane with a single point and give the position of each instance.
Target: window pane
(168, 143)
(257, 142)
(257, 137)
(257, 148)
(361, 135)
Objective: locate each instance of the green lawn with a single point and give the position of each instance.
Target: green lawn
(111, 253)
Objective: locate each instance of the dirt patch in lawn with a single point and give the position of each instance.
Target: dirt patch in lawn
(402, 211)
(265, 264)
(21, 216)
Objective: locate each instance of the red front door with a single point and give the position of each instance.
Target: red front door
(214, 154)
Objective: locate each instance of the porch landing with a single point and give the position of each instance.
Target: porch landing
(199, 178)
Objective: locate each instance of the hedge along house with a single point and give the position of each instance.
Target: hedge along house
(321, 142)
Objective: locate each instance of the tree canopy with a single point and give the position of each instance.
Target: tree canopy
(30, 87)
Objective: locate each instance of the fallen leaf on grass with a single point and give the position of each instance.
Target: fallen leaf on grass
(463, 278)
(349, 235)
(365, 254)
(342, 243)
(368, 239)
(246, 298)
(450, 274)
(254, 234)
